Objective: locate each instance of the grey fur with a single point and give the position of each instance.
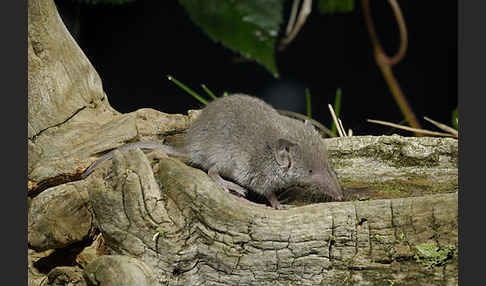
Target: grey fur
(243, 139)
(239, 137)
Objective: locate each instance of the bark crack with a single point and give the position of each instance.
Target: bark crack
(356, 223)
(369, 239)
(34, 137)
(144, 199)
(39, 187)
(332, 240)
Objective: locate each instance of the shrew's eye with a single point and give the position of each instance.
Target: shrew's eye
(310, 171)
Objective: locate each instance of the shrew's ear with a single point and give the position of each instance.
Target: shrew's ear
(283, 153)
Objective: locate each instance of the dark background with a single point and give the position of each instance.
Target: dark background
(135, 46)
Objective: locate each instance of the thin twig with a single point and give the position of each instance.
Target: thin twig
(293, 14)
(402, 27)
(305, 10)
(416, 130)
(335, 120)
(384, 62)
(403, 34)
(443, 126)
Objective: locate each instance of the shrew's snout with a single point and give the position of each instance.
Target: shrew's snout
(330, 184)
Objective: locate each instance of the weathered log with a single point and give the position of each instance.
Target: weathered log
(118, 270)
(171, 224)
(59, 217)
(205, 235)
(67, 108)
(64, 275)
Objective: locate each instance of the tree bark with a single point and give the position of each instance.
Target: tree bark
(194, 233)
(156, 221)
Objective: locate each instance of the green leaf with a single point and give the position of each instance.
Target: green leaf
(455, 118)
(248, 27)
(335, 6)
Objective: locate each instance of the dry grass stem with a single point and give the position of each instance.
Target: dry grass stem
(443, 127)
(334, 118)
(416, 130)
(342, 127)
